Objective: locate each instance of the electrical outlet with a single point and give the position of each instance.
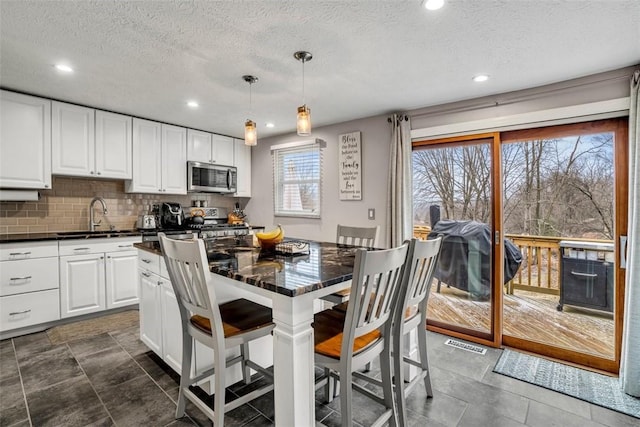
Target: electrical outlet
(371, 213)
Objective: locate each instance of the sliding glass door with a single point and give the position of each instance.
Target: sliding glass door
(453, 198)
(531, 222)
(564, 203)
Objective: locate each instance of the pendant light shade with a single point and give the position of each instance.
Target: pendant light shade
(250, 131)
(304, 121)
(304, 113)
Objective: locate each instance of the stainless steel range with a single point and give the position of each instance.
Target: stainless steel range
(214, 223)
(207, 223)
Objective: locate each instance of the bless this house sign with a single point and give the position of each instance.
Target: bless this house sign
(350, 166)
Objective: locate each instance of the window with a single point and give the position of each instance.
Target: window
(297, 179)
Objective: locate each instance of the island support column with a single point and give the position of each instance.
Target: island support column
(293, 361)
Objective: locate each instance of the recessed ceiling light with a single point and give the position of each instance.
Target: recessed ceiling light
(270, 125)
(433, 4)
(480, 78)
(192, 104)
(64, 68)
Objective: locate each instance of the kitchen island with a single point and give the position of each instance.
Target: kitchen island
(290, 285)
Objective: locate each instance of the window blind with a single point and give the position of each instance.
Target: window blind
(297, 180)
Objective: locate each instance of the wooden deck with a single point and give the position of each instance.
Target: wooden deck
(531, 316)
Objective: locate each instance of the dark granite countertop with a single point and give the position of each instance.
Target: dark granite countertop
(325, 265)
(65, 235)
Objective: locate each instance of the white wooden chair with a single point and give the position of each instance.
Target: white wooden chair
(357, 236)
(348, 340)
(411, 313)
(352, 236)
(219, 327)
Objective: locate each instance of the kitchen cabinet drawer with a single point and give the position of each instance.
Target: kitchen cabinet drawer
(148, 261)
(28, 275)
(92, 246)
(28, 250)
(19, 311)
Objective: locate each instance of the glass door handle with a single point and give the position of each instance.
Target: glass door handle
(623, 251)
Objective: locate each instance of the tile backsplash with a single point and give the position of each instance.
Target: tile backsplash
(66, 206)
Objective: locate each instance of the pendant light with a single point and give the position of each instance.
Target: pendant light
(250, 132)
(304, 113)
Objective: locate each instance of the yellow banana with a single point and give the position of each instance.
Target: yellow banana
(270, 235)
(271, 238)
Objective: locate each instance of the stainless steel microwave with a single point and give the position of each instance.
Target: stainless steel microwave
(208, 178)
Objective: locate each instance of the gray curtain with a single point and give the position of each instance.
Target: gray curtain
(630, 361)
(400, 186)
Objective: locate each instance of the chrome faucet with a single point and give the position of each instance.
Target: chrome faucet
(92, 223)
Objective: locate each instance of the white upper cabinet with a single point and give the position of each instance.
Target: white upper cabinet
(73, 139)
(113, 145)
(159, 158)
(91, 143)
(174, 159)
(206, 147)
(199, 146)
(147, 157)
(25, 141)
(242, 161)
(222, 150)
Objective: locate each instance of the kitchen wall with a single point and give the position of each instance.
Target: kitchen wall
(66, 206)
(375, 137)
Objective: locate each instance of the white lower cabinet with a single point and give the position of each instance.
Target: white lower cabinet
(29, 285)
(150, 317)
(171, 326)
(160, 324)
(121, 273)
(97, 275)
(82, 284)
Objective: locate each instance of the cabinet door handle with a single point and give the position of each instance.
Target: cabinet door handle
(125, 246)
(13, 313)
(146, 274)
(81, 249)
(20, 254)
(146, 261)
(13, 279)
(577, 273)
(99, 173)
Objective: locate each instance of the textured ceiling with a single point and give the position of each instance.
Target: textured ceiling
(147, 58)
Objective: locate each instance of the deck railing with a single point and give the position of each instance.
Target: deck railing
(540, 267)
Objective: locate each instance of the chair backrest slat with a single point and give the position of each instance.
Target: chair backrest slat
(421, 261)
(357, 236)
(377, 276)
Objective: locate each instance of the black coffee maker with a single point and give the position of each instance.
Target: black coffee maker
(171, 216)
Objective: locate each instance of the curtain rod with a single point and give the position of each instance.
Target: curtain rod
(497, 102)
(401, 117)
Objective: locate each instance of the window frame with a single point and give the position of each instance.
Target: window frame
(277, 151)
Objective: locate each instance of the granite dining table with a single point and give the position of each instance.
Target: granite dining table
(292, 284)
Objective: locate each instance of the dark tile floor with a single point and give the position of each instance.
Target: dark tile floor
(113, 379)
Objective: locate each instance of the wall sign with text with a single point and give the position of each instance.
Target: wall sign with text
(350, 166)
